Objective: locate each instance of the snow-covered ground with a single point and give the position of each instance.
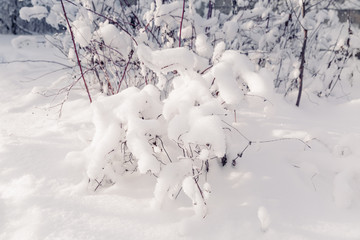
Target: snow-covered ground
(305, 186)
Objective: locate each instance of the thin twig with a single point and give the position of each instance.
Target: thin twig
(284, 139)
(206, 69)
(237, 131)
(127, 64)
(162, 144)
(35, 61)
(181, 22)
(75, 49)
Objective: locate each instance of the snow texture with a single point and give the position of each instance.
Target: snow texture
(195, 157)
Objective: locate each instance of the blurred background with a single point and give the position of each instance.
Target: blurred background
(11, 23)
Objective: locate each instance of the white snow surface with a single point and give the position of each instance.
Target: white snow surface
(277, 190)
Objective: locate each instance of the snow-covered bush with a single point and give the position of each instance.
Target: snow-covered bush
(177, 139)
(271, 33)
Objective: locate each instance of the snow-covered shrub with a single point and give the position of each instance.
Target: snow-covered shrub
(271, 33)
(178, 139)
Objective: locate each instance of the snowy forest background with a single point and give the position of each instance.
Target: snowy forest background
(269, 33)
(183, 119)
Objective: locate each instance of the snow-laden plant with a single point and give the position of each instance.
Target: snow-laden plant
(178, 139)
(272, 33)
(105, 35)
(339, 49)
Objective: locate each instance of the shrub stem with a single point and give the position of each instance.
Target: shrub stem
(76, 53)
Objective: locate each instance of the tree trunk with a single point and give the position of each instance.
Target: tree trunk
(302, 57)
(13, 17)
